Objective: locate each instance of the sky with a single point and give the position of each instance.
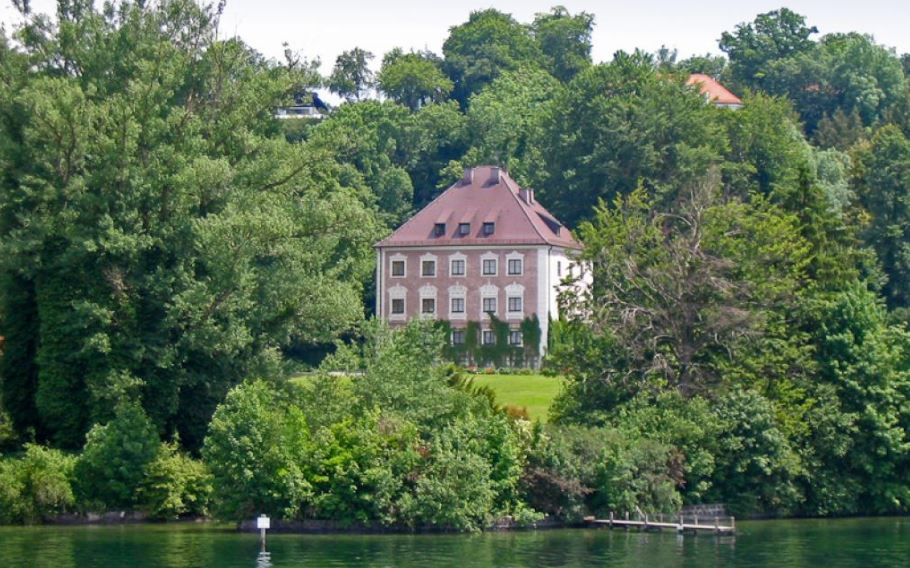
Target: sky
(324, 28)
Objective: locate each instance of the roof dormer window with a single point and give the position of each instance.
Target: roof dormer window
(464, 229)
(489, 228)
(439, 229)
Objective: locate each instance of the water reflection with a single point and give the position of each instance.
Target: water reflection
(857, 542)
(264, 560)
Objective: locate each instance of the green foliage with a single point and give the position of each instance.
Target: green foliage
(175, 485)
(351, 77)
(259, 451)
(113, 463)
(620, 125)
(36, 486)
(398, 445)
(565, 41)
(479, 50)
(883, 187)
(159, 236)
(501, 353)
(453, 488)
(756, 465)
(754, 47)
(413, 79)
(867, 362)
(574, 469)
(361, 468)
(677, 297)
(846, 73)
(505, 119)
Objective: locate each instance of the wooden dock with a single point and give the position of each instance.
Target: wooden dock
(680, 523)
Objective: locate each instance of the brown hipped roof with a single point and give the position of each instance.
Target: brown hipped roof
(486, 194)
(715, 92)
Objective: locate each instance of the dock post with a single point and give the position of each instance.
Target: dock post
(611, 519)
(680, 523)
(716, 527)
(646, 522)
(733, 524)
(696, 523)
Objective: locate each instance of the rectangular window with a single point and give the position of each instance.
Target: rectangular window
(398, 306)
(489, 267)
(398, 268)
(457, 268)
(489, 228)
(439, 229)
(464, 229)
(428, 306)
(559, 268)
(457, 305)
(514, 266)
(487, 337)
(428, 268)
(515, 304)
(489, 305)
(515, 338)
(457, 337)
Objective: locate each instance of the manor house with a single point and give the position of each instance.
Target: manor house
(485, 251)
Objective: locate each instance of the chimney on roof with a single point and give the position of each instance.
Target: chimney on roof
(527, 195)
(468, 178)
(495, 175)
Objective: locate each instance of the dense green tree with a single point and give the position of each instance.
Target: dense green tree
(867, 363)
(565, 41)
(160, 238)
(489, 43)
(840, 130)
(756, 465)
(754, 47)
(413, 79)
(351, 77)
(112, 466)
(175, 485)
(847, 72)
(883, 188)
(258, 450)
(393, 154)
(620, 125)
(680, 297)
(504, 121)
(37, 486)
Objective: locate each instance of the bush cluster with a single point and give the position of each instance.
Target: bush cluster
(123, 466)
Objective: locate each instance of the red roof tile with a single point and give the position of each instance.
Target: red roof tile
(715, 92)
(485, 194)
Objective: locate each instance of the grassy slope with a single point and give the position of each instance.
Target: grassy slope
(534, 392)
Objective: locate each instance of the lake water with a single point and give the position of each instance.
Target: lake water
(811, 543)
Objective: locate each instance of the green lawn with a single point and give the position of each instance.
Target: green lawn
(534, 392)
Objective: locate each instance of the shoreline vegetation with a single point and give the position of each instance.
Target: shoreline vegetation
(171, 252)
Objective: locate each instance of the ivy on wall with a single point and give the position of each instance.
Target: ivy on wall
(500, 353)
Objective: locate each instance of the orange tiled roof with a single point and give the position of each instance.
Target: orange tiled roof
(715, 92)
